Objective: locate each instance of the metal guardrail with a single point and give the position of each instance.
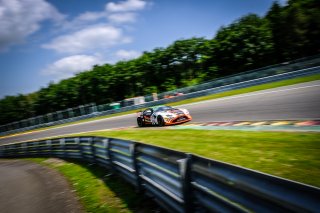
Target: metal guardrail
(178, 181)
(271, 70)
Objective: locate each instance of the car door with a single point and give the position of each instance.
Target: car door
(147, 115)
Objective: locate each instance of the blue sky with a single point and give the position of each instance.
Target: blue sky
(44, 41)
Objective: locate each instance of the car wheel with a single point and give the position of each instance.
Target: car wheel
(140, 122)
(160, 121)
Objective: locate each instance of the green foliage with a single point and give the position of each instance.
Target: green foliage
(285, 33)
(16, 108)
(295, 29)
(244, 45)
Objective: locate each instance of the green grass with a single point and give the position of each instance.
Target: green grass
(295, 156)
(97, 190)
(203, 98)
(291, 155)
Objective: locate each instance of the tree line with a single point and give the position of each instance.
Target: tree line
(285, 33)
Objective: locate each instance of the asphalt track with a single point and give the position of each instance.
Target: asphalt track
(295, 102)
(30, 188)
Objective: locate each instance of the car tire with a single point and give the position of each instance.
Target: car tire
(160, 120)
(140, 122)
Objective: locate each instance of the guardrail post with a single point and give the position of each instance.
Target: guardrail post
(36, 121)
(133, 152)
(4, 150)
(24, 149)
(94, 108)
(108, 147)
(50, 117)
(63, 145)
(59, 115)
(41, 119)
(31, 121)
(105, 145)
(185, 170)
(49, 147)
(93, 150)
(70, 113)
(77, 141)
(81, 108)
(36, 150)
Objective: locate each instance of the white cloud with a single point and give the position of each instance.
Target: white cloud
(93, 31)
(116, 13)
(127, 54)
(122, 17)
(84, 20)
(87, 18)
(68, 66)
(91, 16)
(124, 6)
(21, 18)
(91, 38)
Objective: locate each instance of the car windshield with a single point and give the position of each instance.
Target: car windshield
(163, 108)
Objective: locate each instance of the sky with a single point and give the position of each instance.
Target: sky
(44, 41)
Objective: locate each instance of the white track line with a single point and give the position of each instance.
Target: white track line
(250, 94)
(59, 127)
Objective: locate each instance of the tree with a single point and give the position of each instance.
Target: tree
(277, 24)
(295, 29)
(244, 45)
(184, 65)
(15, 108)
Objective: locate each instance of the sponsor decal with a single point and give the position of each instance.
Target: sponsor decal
(181, 119)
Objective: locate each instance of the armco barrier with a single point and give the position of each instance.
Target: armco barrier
(179, 182)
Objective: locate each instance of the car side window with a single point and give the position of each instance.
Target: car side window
(147, 112)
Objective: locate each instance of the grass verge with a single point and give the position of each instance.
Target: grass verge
(98, 191)
(286, 154)
(193, 100)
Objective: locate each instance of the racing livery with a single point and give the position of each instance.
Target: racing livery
(162, 116)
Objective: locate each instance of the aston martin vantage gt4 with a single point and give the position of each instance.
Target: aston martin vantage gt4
(162, 116)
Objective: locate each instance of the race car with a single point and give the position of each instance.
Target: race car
(162, 116)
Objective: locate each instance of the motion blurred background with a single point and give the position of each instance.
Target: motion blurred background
(261, 34)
